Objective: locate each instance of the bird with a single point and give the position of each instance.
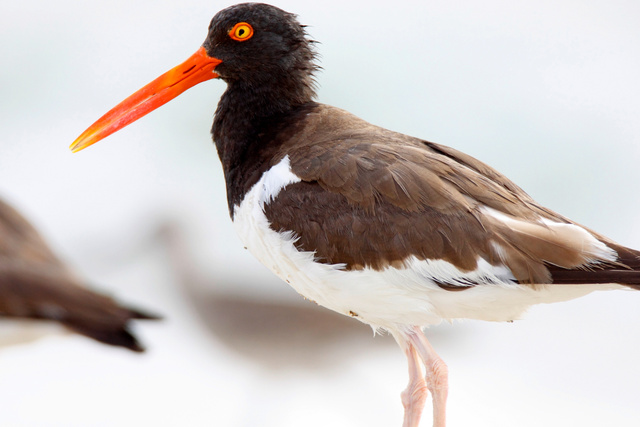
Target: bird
(35, 284)
(395, 231)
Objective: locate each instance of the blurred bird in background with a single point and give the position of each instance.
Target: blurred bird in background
(35, 284)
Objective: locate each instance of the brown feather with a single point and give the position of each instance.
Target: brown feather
(372, 197)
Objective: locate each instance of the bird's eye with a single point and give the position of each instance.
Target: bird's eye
(241, 31)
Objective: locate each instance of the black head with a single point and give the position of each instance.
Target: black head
(271, 46)
(260, 51)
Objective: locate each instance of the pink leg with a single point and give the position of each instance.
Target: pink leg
(414, 396)
(436, 376)
(435, 379)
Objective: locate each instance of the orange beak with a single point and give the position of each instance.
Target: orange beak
(197, 69)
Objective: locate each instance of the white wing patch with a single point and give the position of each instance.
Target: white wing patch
(593, 249)
(444, 272)
(570, 236)
(393, 298)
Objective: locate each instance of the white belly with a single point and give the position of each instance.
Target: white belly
(392, 298)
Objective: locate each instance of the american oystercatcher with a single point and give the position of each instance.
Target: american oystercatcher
(397, 232)
(34, 284)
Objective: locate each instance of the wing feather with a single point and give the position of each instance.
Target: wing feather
(376, 198)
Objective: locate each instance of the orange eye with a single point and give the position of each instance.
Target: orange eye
(241, 31)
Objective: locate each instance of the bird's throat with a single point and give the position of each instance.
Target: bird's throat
(248, 127)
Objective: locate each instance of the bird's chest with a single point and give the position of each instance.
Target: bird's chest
(276, 249)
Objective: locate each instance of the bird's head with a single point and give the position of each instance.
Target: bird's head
(254, 44)
(256, 41)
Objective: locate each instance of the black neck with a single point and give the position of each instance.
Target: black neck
(246, 126)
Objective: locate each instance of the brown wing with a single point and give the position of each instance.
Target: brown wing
(35, 284)
(372, 197)
(375, 236)
(20, 241)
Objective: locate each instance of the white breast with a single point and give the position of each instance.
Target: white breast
(393, 298)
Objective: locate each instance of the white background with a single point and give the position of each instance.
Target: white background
(545, 91)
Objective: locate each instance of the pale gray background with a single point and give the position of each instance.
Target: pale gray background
(545, 91)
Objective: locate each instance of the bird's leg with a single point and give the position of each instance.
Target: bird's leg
(414, 396)
(436, 374)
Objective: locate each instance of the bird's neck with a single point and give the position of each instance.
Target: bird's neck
(246, 126)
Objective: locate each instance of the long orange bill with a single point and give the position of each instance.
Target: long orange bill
(197, 69)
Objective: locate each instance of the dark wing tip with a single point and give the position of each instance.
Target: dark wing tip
(143, 315)
(119, 337)
(113, 331)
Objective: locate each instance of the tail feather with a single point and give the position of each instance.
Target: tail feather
(625, 271)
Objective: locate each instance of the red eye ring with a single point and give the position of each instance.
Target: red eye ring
(242, 31)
